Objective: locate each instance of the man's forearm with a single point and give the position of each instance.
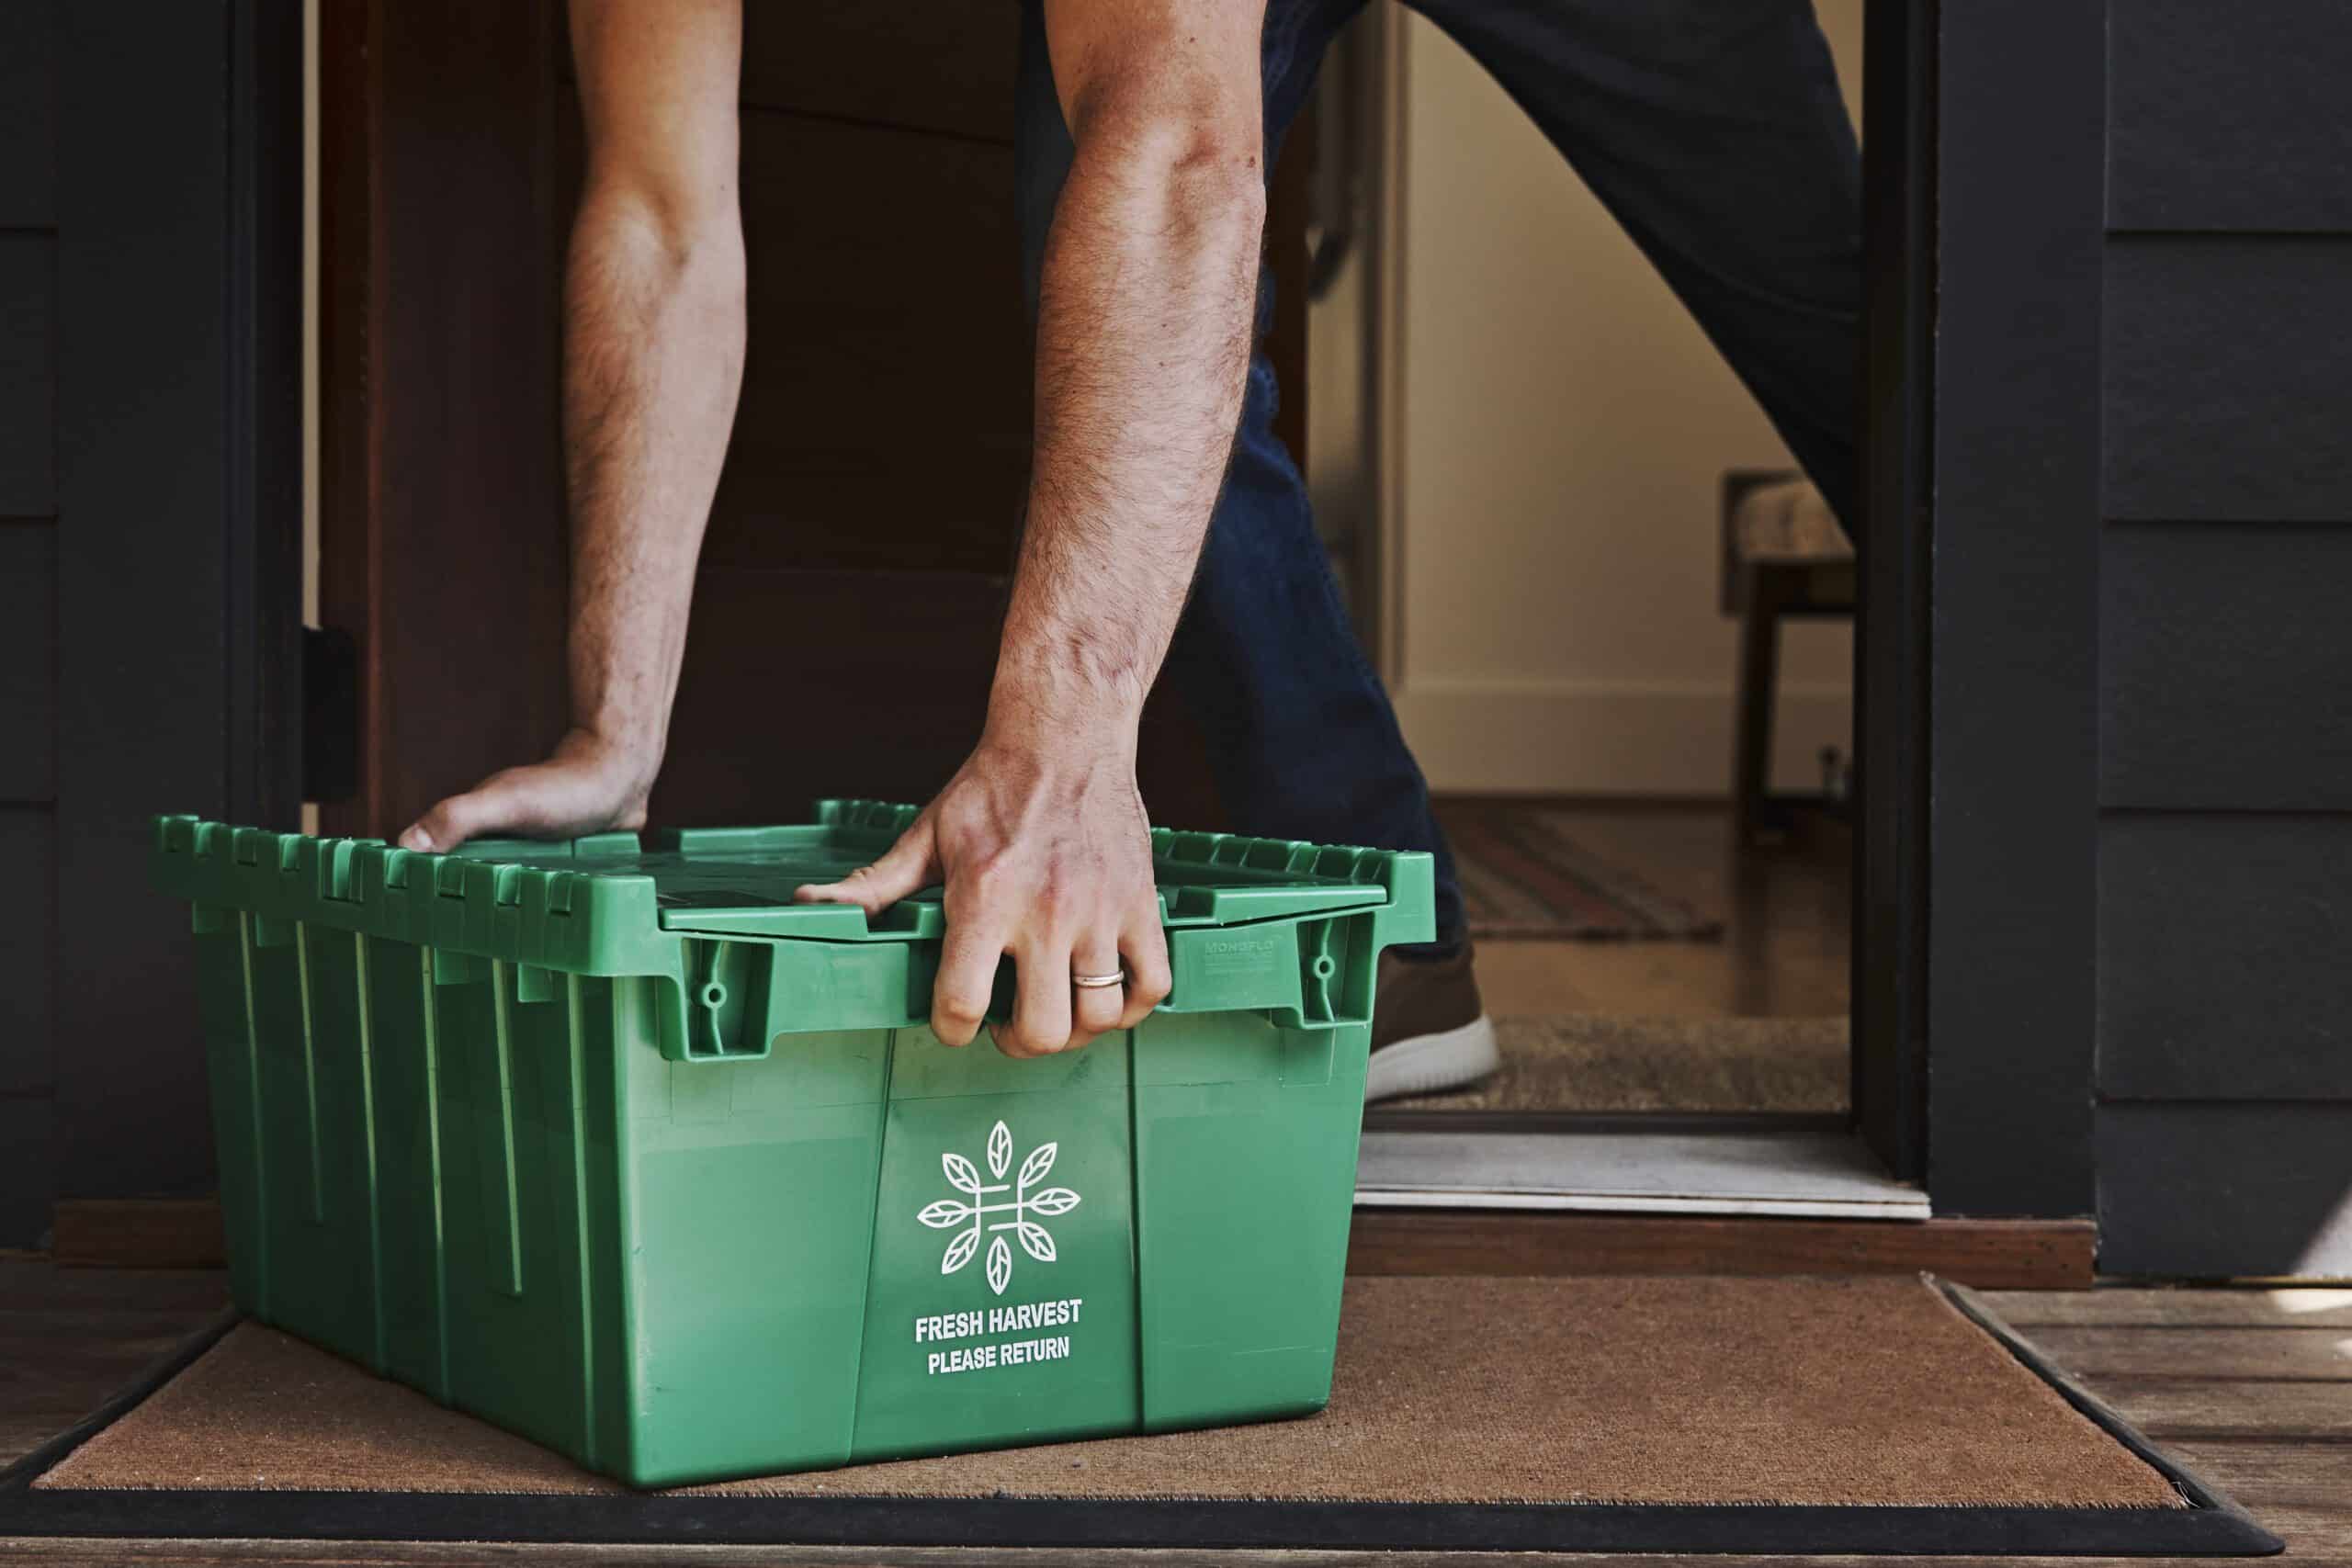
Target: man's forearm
(1040, 840)
(653, 357)
(653, 362)
(1143, 347)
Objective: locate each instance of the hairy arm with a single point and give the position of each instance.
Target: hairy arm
(1143, 345)
(654, 359)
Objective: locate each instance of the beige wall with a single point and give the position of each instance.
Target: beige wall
(1560, 425)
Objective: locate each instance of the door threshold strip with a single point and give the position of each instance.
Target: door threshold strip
(1795, 1173)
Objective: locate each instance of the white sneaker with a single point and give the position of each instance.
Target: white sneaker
(1429, 1030)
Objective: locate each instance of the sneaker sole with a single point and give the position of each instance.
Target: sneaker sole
(1428, 1063)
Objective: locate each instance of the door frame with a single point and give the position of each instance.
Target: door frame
(1892, 611)
(2006, 892)
(1892, 649)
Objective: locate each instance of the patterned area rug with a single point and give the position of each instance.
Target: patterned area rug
(1524, 876)
(1599, 1062)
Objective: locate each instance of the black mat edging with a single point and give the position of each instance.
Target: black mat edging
(2202, 1494)
(2211, 1525)
(19, 1476)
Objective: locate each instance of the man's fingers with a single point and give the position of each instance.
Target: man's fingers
(460, 818)
(1040, 1024)
(429, 832)
(1094, 1009)
(561, 798)
(1143, 946)
(911, 866)
(959, 997)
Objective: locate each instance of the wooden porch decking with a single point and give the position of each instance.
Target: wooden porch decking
(2252, 1386)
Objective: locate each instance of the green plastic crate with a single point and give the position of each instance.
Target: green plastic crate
(616, 1146)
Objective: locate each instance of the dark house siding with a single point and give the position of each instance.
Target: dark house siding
(149, 555)
(2224, 1017)
(27, 615)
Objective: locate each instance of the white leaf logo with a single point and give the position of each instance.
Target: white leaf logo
(960, 1250)
(999, 1206)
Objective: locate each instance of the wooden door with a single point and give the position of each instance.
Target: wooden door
(846, 613)
(846, 618)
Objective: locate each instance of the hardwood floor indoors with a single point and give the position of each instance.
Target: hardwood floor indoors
(1786, 907)
(2253, 1387)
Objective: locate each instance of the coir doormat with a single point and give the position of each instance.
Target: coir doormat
(1618, 1415)
(1610, 1062)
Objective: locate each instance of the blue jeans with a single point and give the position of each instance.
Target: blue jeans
(1713, 131)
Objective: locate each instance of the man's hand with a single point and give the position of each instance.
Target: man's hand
(1143, 341)
(587, 786)
(1046, 856)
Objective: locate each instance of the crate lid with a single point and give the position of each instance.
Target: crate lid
(740, 881)
(580, 902)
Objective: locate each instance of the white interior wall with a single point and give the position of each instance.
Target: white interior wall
(1562, 425)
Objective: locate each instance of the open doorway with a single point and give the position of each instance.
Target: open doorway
(1621, 630)
(928, 168)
